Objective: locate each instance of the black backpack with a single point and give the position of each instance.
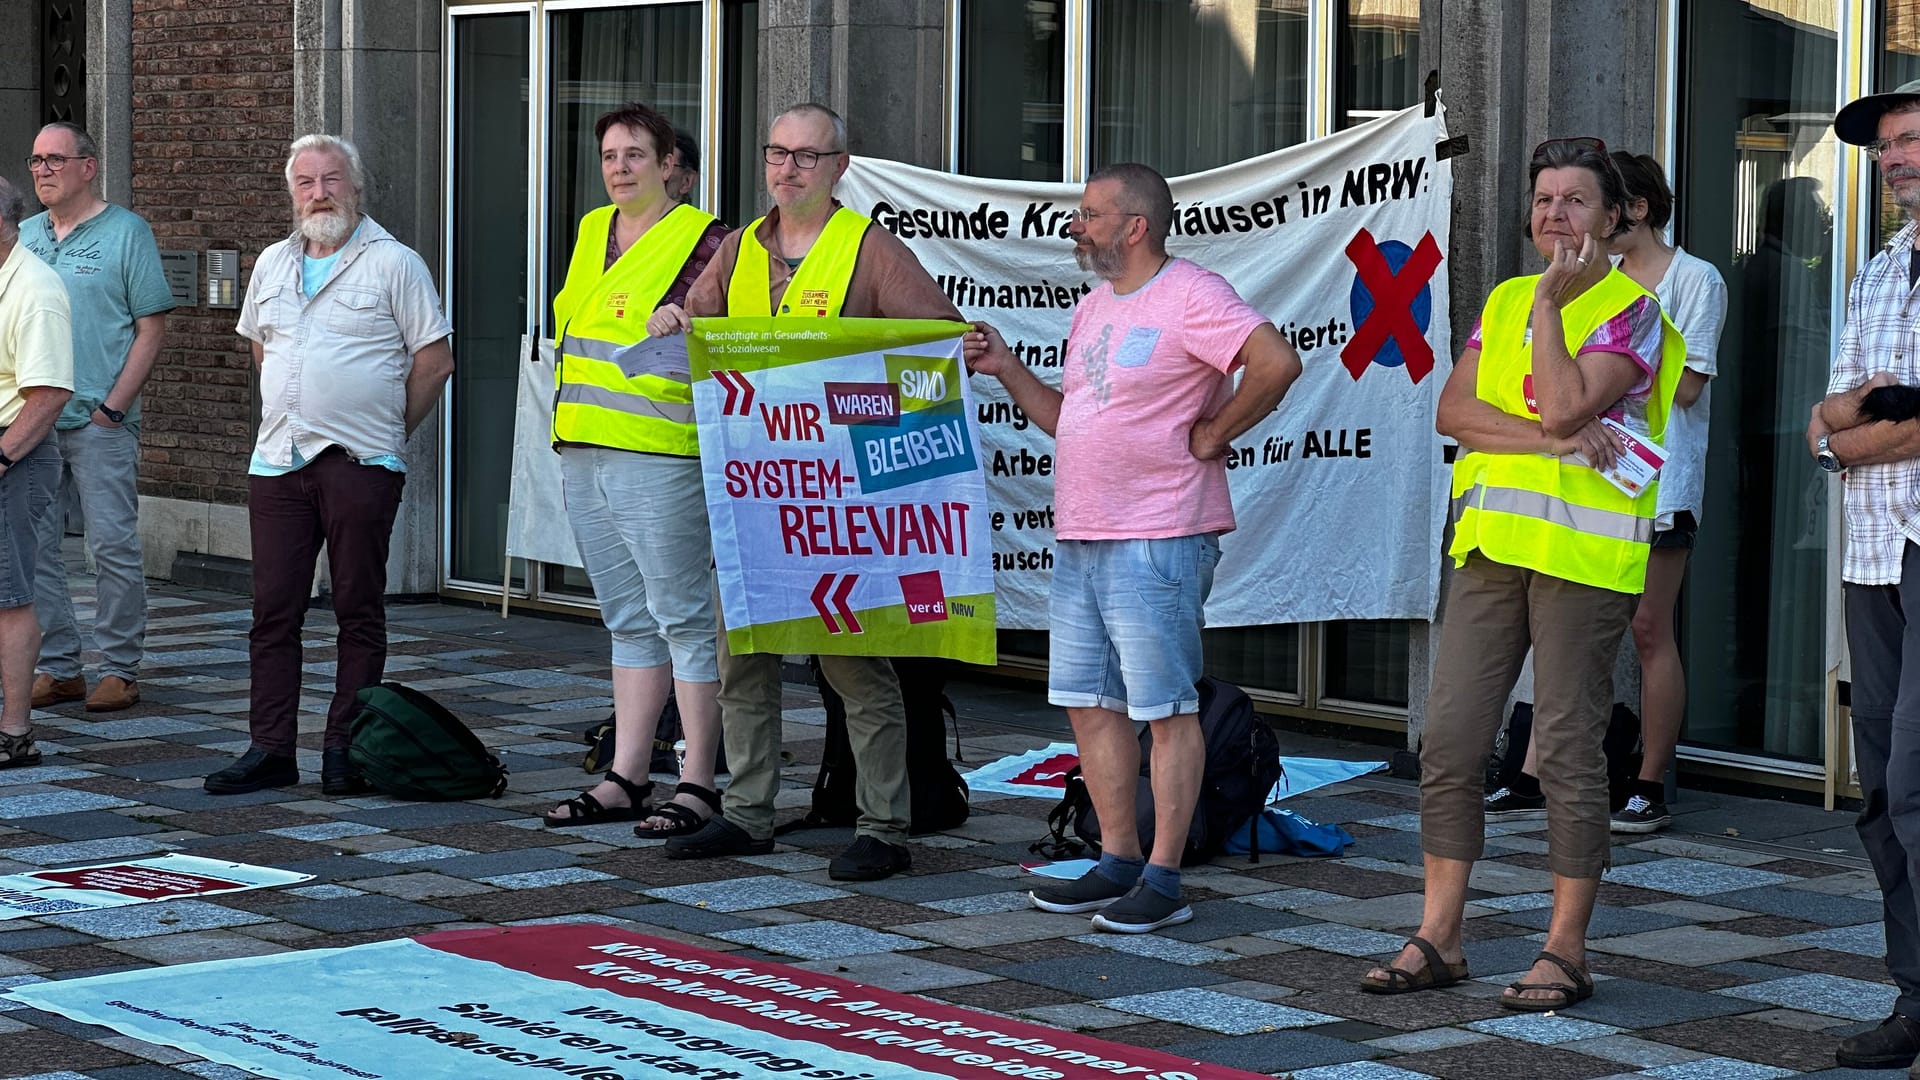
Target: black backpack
(600, 744)
(1243, 764)
(409, 746)
(939, 795)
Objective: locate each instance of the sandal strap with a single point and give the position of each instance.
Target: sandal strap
(681, 815)
(586, 805)
(1580, 978)
(637, 793)
(1439, 967)
(705, 795)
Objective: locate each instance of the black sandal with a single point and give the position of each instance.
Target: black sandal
(19, 750)
(584, 809)
(684, 819)
(1436, 974)
(1568, 996)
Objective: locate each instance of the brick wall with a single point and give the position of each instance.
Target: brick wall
(212, 116)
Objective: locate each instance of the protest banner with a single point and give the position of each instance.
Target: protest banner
(590, 1002)
(1042, 773)
(1341, 495)
(844, 486)
(139, 881)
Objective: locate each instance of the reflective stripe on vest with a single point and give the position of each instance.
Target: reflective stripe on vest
(816, 290)
(1543, 513)
(606, 392)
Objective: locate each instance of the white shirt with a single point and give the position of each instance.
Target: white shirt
(1882, 334)
(1694, 297)
(334, 367)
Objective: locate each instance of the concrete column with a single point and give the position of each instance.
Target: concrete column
(1547, 69)
(109, 116)
(881, 64)
(19, 92)
(370, 71)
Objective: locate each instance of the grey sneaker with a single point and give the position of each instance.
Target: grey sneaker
(1640, 816)
(1088, 892)
(1142, 911)
(1509, 805)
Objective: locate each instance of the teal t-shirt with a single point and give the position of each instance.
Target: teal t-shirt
(111, 267)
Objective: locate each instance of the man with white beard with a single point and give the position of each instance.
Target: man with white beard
(353, 349)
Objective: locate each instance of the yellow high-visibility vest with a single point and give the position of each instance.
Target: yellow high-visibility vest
(604, 395)
(818, 287)
(1544, 513)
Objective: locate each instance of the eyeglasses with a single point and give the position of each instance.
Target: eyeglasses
(56, 162)
(806, 159)
(1906, 143)
(1083, 215)
(1578, 142)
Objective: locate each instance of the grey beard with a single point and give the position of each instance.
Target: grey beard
(329, 228)
(1104, 263)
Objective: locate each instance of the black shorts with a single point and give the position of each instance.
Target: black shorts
(1685, 528)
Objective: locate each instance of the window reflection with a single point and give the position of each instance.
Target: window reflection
(1756, 149)
(1379, 44)
(1013, 56)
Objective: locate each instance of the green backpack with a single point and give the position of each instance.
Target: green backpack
(409, 746)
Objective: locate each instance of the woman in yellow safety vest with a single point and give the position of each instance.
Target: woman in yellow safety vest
(623, 425)
(1558, 401)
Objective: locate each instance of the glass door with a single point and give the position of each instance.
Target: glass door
(488, 270)
(1757, 153)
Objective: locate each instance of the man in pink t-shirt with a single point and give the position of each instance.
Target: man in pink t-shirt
(1146, 408)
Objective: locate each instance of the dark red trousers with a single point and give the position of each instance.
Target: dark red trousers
(351, 507)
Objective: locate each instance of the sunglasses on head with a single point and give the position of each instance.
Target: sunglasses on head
(1579, 142)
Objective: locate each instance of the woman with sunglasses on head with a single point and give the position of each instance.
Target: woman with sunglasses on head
(630, 464)
(1549, 553)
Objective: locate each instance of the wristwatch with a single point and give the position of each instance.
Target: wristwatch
(1826, 457)
(114, 415)
(5, 461)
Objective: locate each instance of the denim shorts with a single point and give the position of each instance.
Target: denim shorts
(26, 496)
(1125, 618)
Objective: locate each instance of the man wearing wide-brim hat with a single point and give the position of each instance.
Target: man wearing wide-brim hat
(1881, 463)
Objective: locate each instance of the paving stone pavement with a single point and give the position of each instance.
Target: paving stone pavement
(1744, 942)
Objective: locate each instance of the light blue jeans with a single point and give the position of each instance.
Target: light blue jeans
(640, 521)
(101, 465)
(1125, 616)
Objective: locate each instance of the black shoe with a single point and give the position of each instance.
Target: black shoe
(337, 773)
(717, 839)
(256, 769)
(1892, 1045)
(1509, 805)
(869, 858)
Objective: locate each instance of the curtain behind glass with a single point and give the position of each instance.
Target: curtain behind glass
(601, 60)
(488, 287)
(1379, 59)
(1186, 85)
(1756, 149)
(1013, 56)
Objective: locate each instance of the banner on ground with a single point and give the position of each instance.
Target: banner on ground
(1042, 773)
(1341, 495)
(590, 1002)
(843, 474)
(139, 881)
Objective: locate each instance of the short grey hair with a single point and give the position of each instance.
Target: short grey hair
(356, 173)
(83, 144)
(13, 209)
(814, 108)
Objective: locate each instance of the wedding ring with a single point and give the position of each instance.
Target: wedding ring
(1581, 261)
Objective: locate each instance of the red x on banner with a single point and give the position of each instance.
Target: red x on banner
(1393, 296)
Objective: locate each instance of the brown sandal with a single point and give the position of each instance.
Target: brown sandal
(19, 750)
(1436, 974)
(1567, 996)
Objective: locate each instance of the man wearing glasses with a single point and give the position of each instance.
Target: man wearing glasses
(1147, 407)
(1882, 567)
(107, 257)
(809, 257)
